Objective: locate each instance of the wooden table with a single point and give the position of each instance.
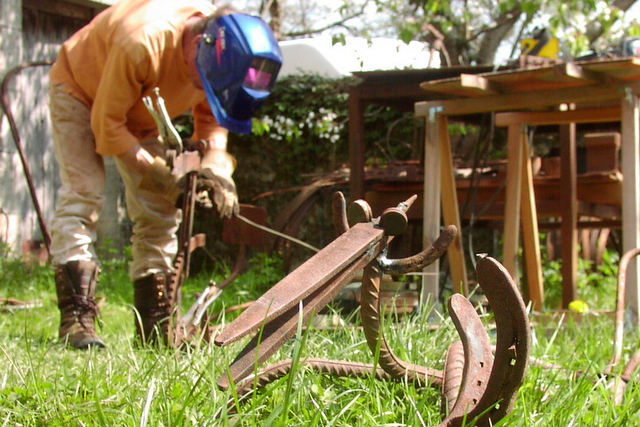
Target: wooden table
(563, 95)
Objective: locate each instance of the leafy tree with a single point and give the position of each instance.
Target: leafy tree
(465, 32)
(473, 31)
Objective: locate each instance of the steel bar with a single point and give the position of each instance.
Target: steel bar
(336, 368)
(178, 334)
(620, 308)
(621, 383)
(632, 364)
(362, 240)
(186, 226)
(16, 139)
(421, 260)
(276, 332)
(371, 322)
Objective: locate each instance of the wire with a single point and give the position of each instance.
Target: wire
(277, 233)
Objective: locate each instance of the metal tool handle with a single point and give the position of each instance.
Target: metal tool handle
(158, 110)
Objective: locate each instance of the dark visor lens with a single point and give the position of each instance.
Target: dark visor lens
(261, 74)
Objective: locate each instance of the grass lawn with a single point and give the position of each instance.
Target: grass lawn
(44, 384)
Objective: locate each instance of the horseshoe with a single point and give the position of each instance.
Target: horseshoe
(512, 346)
(489, 385)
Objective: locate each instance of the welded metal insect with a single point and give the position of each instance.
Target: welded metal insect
(477, 382)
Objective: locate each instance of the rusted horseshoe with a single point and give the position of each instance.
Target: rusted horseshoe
(509, 364)
(488, 387)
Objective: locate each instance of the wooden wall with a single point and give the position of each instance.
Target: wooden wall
(32, 30)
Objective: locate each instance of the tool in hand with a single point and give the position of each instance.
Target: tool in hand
(158, 110)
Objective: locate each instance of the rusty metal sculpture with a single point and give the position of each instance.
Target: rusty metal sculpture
(477, 385)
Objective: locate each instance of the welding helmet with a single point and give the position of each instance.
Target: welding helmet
(238, 61)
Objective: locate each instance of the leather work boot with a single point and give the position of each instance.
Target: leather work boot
(76, 286)
(154, 300)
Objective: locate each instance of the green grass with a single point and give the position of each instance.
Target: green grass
(45, 384)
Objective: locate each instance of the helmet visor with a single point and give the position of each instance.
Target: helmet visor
(261, 75)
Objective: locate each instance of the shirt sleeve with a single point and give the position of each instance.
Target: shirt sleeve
(121, 86)
(205, 125)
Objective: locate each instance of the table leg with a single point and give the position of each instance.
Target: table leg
(630, 133)
(530, 233)
(512, 201)
(450, 209)
(569, 212)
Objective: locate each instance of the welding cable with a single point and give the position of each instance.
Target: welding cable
(277, 233)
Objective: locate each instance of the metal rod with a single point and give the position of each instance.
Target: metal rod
(16, 139)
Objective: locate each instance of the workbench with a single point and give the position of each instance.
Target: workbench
(564, 95)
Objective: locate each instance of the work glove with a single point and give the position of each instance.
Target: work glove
(214, 177)
(159, 179)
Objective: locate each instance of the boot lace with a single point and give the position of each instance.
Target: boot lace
(87, 310)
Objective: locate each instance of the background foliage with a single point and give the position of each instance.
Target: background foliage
(299, 136)
(463, 32)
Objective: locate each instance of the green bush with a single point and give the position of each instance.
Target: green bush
(302, 132)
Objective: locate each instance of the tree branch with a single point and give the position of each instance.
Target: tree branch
(595, 29)
(338, 23)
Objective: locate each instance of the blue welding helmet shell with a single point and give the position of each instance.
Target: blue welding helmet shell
(238, 61)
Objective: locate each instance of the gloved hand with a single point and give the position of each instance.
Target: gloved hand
(159, 179)
(216, 169)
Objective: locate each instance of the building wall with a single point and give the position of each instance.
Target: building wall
(32, 31)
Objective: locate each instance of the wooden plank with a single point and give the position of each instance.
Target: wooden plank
(431, 207)
(482, 83)
(630, 133)
(545, 78)
(575, 71)
(627, 69)
(512, 202)
(453, 87)
(569, 208)
(530, 233)
(529, 80)
(538, 118)
(450, 210)
(520, 101)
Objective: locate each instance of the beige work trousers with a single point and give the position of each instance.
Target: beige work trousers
(81, 196)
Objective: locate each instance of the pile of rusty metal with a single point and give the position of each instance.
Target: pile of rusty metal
(479, 382)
